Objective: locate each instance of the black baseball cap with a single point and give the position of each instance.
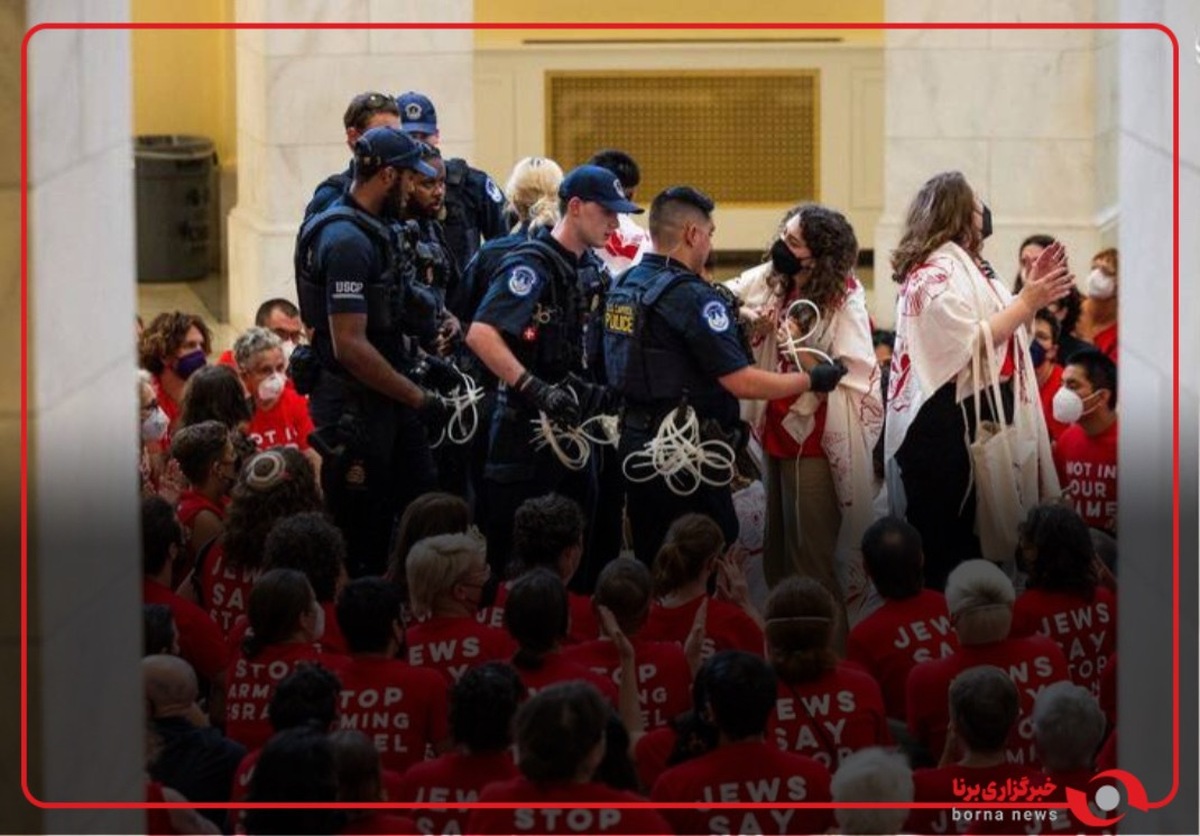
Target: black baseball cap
(597, 185)
(390, 146)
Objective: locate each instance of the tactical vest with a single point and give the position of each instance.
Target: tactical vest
(462, 212)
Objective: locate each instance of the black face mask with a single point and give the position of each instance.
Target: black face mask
(986, 230)
(784, 260)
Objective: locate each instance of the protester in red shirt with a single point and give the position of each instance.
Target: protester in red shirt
(296, 765)
(215, 393)
(282, 318)
(200, 641)
(402, 708)
(825, 708)
(1068, 725)
(1044, 351)
(740, 693)
(308, 696)
(172, 347)
(547, 533)
(980, 599)
(447, 575)
(285, 625)
(280, 416)
(1086, 452)
(311, 544)
(536, 619)
(1100, 307)
(1063, 598)
(872, 775)
(273, 485)
(429, 515)
(984, 708)
(360, 781)
(207, 459)
(664, 676)
(560, 735)
(691, 553)
(153, 464)
(482, 706)
(912, 626)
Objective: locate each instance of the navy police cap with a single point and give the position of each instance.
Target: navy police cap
(597, 185)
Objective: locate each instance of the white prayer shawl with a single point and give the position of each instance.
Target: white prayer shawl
(854, 411)
(938, 315)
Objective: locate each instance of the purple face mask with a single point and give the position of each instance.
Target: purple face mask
(187, 365)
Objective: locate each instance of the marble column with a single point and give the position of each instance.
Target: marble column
(85, 695)
(292, 88)
(1026, 115)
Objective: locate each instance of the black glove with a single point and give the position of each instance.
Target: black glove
(594, 398)
(434, 410)
(440, 374)
(556, 401)
(824, 377)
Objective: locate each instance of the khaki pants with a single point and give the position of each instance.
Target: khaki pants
(803, 521)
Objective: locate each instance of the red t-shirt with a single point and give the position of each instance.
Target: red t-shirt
(778, 442)
(200, 640)
(651, 753)
(225, 590)
(557, 668)
(401, 708)
(1087, 470)
(169, 405)
(741, 772)
(726, 626)
(158, 821)
(830, 717)
(543, 816)
(243, 775)
(581, 626)
(1108, 689)
(286, 423)
(1106, 340)
(332, 640)
(939, 785)
(898, 636)
(1032, 662)
(452, 777)
(1047, 391)
(251, 684)
(664, 678)
(192, 503)
(1085, 630)
(452, 646)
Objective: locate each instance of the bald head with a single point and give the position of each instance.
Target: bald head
(170, 684)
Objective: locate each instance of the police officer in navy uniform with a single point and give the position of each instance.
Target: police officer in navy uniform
(474, 203)
(537, 325)
(669, 335)
(355, 284)
(365, 111)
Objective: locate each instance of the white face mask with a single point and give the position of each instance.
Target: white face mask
(155, 426)
(1100, 285)
(1069, 407)
(288, 348)
(271, 387)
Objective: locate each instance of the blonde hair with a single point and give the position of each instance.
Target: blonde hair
(980, 597)
(435, 564)
(532, 191)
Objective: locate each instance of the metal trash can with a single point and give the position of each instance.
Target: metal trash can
(177, 200)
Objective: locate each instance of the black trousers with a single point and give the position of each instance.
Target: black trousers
(386, 464)
(935, 468)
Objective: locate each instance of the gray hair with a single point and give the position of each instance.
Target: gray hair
(253, 341)
(1068, 725)
(980, 597)
(872, 774)
(435, 564)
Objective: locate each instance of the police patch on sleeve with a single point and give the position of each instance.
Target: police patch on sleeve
(716, 317)
(521, 281)
(494, 191)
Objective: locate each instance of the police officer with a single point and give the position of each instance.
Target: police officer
(535, 326)
(669, 335)
(365, 111)
(474, 203)
(353, 280)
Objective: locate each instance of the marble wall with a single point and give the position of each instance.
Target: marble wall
(1026, 115)
(292, 88)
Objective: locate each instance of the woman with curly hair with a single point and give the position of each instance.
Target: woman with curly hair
(273, 485)
(948, 294)
(819, 472)
(1064, 598)
(172, 347)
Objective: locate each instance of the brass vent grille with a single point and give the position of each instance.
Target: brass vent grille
(743, 137)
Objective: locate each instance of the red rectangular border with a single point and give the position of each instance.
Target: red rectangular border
(642, 26)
